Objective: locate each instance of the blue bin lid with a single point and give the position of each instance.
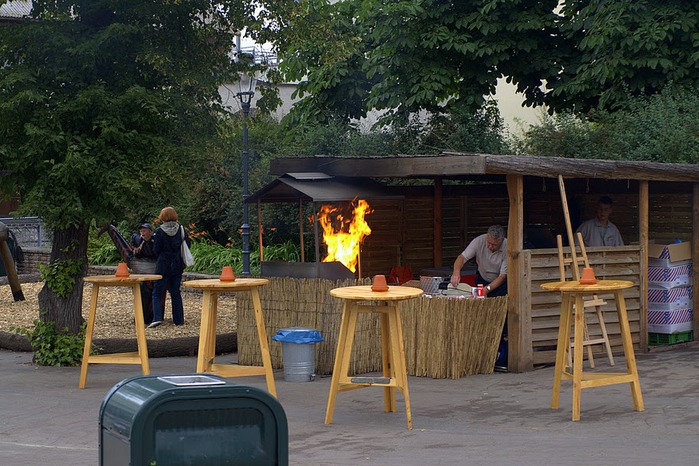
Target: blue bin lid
(298, 335)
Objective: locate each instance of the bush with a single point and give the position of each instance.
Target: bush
(659, 128)
(54, 347)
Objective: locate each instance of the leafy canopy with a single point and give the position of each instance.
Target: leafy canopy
(107, 104)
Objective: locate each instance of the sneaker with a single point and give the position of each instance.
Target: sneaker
(154, 324)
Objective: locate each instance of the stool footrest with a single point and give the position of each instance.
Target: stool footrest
(371, 380)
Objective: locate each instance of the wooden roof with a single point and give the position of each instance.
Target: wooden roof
(459, 165)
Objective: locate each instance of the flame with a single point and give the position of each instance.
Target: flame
(342, 233)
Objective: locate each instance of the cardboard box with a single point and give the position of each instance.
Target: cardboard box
(670, 277)
(670, 321)
(668, 255)
(669, 299)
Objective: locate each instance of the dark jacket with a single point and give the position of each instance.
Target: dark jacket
(167, 248)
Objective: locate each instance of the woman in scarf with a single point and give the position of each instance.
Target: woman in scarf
(168, 241)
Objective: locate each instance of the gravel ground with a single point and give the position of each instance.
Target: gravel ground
(115, 312)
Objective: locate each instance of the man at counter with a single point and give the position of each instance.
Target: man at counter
(490, 251)
(599, 231)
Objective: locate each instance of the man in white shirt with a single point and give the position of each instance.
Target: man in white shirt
(490, 251)
(599, 231)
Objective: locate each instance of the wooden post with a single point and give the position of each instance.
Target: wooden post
(643, 279)
(695, 258)
(518, 305)
(301, 219)
(259, 231)
(437, 223)
(6, 258)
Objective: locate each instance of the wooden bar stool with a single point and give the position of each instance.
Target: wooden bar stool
(593, 302)
(394, 374)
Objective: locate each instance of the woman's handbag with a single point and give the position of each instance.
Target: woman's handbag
(187, 256)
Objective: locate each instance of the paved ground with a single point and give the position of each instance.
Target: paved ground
(499, 419)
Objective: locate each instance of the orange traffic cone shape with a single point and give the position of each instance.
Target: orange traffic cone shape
(588, 276)
(379, 283)
(122, 270)
(227, 274)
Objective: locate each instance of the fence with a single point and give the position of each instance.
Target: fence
(29, 231)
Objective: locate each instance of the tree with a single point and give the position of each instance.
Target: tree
(106, 105)
(661, 128)
(624, 49)
(403, 56)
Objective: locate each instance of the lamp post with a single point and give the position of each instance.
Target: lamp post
(245, 95)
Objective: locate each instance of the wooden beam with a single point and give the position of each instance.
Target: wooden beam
(695, 257)
(643, 220)
(459, 165)
(437, 223)
(518, 305)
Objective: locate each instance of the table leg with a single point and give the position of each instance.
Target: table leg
(339, 359)
(140, 328)
(628, 350)
(388, 364)
(400, 370)
(561, 349)
(579, 310)
(264, 345)
(88, 335)
(203, 356)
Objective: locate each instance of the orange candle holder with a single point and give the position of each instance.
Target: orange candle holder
(122, 270)
(379, 283)
(227, 274)
(588, 276)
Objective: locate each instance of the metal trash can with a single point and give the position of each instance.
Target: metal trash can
(298, 352)
(191, 419)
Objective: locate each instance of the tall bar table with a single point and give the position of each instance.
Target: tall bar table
(211, 288)
(133, 281)
(572, 293)
(392, 347)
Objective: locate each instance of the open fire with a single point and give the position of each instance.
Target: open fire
(344, 229)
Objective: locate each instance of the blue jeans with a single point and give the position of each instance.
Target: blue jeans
(175, 296)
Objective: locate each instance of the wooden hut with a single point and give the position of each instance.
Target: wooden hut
(431, 224)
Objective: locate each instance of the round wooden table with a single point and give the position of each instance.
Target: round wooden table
(572, 293)
(211, 288)
(392, 350)
(141, 357)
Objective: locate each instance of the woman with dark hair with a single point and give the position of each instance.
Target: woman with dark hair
(168, 241)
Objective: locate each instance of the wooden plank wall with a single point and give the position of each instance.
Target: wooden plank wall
(402, 230)
(622, 263)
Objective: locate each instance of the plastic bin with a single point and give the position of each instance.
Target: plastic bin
(191, 419)
(298, 352)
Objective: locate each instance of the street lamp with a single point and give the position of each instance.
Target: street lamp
(245, 94)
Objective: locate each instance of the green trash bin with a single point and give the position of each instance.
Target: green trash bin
(191, 420)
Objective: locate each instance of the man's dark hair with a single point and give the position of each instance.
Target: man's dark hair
(606, 200)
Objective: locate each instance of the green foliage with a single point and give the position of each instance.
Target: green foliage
(60, 275)
(482, 131)
(403, 56)
(101, 250)
(210, 258)
(624, 49)
(659, 128)
(54, 347)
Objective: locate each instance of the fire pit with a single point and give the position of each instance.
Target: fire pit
(328, 270)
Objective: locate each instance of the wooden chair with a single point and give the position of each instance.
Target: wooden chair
(574, 262)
